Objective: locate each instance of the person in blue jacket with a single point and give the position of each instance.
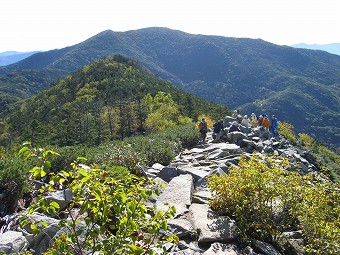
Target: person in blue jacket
(273, 125)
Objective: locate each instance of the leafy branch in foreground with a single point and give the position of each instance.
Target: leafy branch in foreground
(107, 215)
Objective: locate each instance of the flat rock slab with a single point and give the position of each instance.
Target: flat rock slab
(37, 218)
(211, 227)
(157, 166)
(178, 193)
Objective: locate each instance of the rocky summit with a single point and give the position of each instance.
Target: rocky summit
(199, 228)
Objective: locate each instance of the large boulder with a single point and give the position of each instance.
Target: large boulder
(261, 132)
(178, 193)
(292, 242)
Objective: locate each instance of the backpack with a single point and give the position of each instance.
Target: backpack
(202, 126)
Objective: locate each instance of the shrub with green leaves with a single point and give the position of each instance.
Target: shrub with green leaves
(13, 182)
(187, 135)
(106, 216)
(155, 149)
(319, 217)
(69, 154)
(121, 154)
(162, 147)
(286, 129)
(266, 200)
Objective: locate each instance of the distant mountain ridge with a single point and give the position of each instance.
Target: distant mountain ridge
(333, 48)
(10, 57)
(299, 85)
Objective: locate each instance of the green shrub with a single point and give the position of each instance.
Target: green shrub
(187, 135)
(66, 155)
(121, 154)
(319, 217)
(257, 194)
(267, 200)
(155, 149)
(286, 129)
(162, 147)
(13, 182)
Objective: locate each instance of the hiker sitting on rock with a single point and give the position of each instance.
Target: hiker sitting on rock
(245, 122)
(253, 120)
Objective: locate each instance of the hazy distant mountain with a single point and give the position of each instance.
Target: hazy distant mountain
(333, 48)
(10, 57)
(299, 85)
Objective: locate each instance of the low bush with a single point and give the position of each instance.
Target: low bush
(186, 135)
(160, 147)
(319, 216)
(69, 154)
(155, 149)
(121, 154)
(266, 200)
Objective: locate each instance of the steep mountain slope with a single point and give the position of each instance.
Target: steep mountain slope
(230, 71)
(102, 101)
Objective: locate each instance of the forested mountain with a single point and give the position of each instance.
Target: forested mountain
(298, 85)
(103, 101)
(10, 57)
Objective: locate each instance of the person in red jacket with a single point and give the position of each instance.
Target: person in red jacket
(266, 122)
(203, 129)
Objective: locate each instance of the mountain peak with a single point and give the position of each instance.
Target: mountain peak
(236, 72)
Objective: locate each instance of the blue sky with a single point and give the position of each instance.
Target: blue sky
(27, 25)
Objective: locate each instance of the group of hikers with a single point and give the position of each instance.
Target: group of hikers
(263, 120)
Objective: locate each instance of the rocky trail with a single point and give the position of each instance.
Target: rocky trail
(201, 231)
